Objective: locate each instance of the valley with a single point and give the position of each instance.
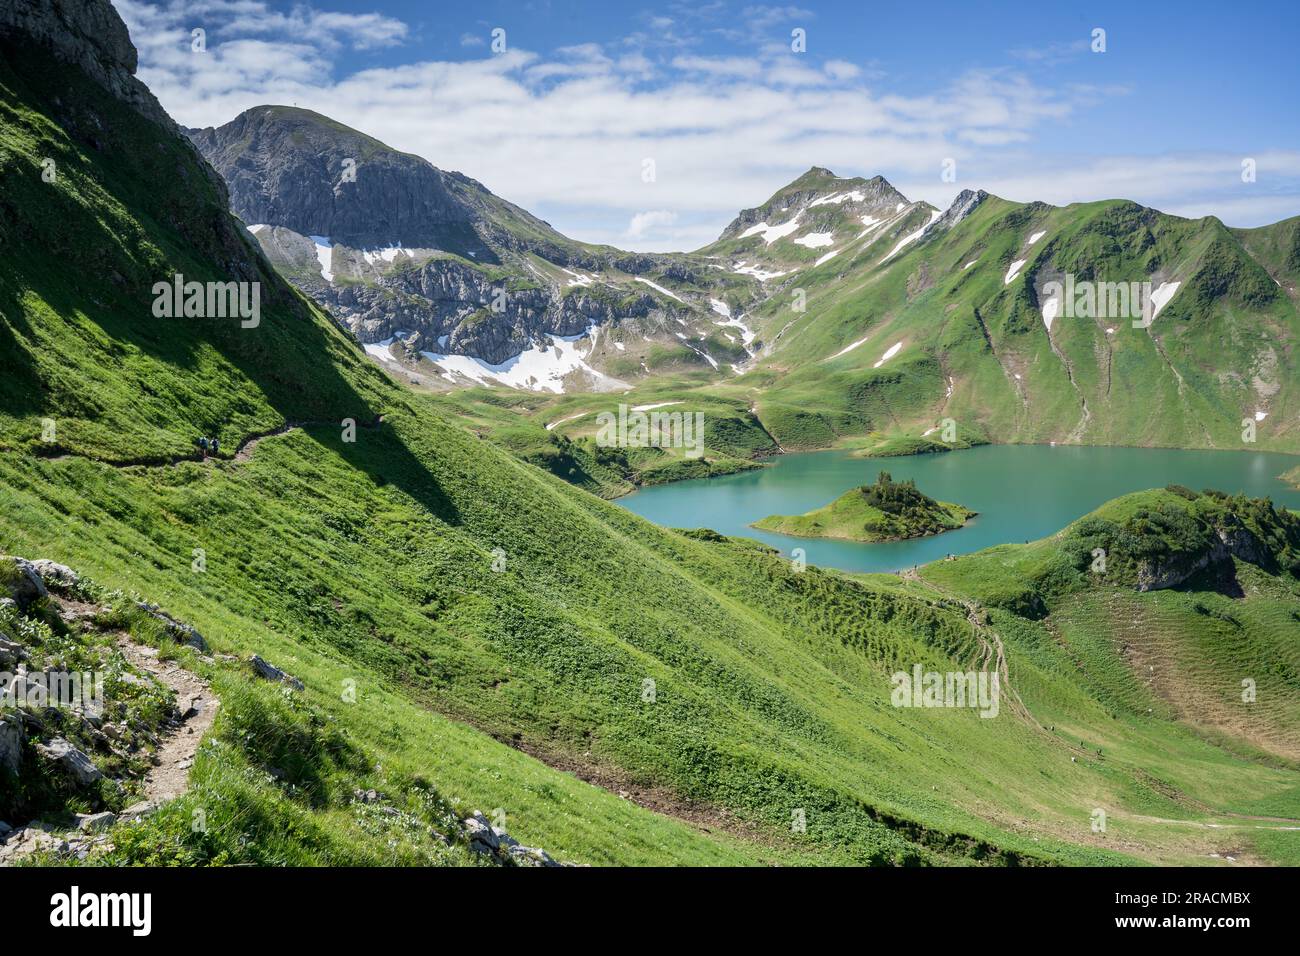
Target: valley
(411, 513)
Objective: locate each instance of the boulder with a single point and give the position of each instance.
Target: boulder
(11, 746)
(178, 631)
(482, 838)
(20, 581)
(71, 760)
(138, 811)
(268, 671)
(11, 652)
(93, 822)
(55, 575)
(531, 856)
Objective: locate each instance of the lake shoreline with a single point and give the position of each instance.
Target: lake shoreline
(1021, 492)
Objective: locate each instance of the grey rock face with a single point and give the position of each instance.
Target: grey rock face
(21, 581)
(91, 35)
(70, 760)
(270, 672)
(11, 652)
(11, 746)
(178, 631)
(55, 575)
(966, 203)
(482, 838)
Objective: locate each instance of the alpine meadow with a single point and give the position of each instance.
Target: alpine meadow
(941, 509)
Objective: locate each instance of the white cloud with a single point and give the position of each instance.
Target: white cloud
(647, 222)
(841, 69)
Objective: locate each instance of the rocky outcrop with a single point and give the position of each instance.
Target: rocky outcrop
(178, 631)
(71, 761)
(495, 842)
(268, 671)
(55, 575)
(11, 745)
(88, 34)
(967, 202)
(1227, 538)
(20, 581)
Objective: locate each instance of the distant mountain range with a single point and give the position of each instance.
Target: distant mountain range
(847, 308)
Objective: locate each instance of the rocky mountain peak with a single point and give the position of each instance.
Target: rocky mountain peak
(89, 34)
(966, 202)
(818, 189)
(295, 168)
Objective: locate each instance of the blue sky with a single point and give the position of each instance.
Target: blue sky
(564, 117)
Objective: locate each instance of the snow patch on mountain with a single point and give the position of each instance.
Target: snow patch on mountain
(852, 195)
(889, 353)
(1161, 296)
(1015, 268)
(324, 255)
(536, 369)
(816, 240)
(1036, 236)
(658, 288)
(1051, 309)
(755, 271)
(908, 240)
(772, 233)
(849, 348)
(385, 254)
(826, 258)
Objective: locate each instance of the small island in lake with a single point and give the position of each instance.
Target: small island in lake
(886, 511)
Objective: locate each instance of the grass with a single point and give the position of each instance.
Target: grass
(483, 609)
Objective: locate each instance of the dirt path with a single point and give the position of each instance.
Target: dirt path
(243, 451)
(197, 705)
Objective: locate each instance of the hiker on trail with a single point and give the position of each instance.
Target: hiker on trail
(216, 446)
(203, 445)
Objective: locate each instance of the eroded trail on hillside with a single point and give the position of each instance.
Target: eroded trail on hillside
(243, 451)
(994, 651)
(197, 706)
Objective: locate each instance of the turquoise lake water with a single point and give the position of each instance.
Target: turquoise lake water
(1022, 492)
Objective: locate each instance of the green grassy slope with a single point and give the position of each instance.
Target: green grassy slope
(975, 348)
(486, 611)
